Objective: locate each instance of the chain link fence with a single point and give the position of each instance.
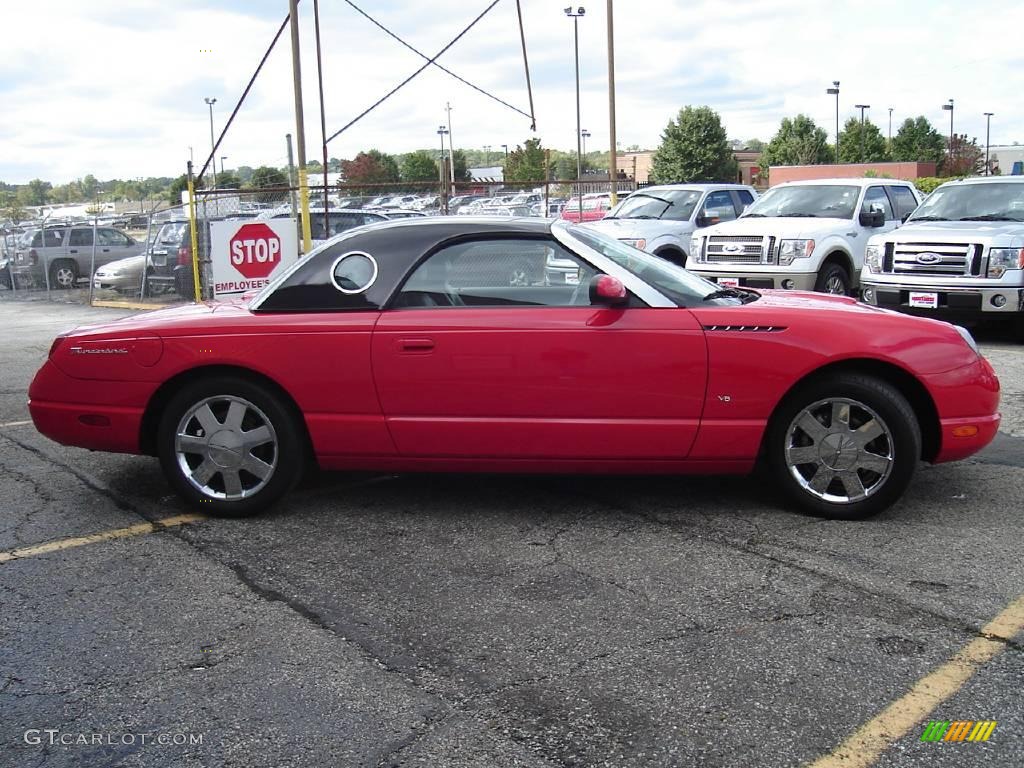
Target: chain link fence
(147, 258)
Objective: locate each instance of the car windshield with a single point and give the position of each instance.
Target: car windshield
(171, 234)
(830, 201)
(684, 288)
(973, 202)
(673, 204)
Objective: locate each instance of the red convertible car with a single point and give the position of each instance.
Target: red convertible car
(464, 345)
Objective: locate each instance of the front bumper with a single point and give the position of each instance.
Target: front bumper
(950, 301)
(967, 400)
(796, 281)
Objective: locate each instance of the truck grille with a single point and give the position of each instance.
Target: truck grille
(951, 259)
(739, 249)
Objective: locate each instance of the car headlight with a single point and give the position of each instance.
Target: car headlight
(639, 243)
(794, 249)
(873, 258)
(1002, 259)
(696, 251)
(968, 339)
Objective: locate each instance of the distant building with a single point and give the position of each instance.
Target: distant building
(1007, 159)
(637, 165)
(490, 173)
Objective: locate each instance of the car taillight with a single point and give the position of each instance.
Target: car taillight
(184, 255)
(33, 256)
(56, 344)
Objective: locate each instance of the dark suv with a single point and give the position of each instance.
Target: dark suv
(170, 257)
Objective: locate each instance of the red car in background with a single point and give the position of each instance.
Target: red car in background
(419, 345)
(595, 207)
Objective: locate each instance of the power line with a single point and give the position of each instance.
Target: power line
(405, 82)
(442, 68)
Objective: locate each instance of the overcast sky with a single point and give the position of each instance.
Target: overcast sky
(116, 88)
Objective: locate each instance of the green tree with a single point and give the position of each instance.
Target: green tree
(265, 177)
(419, 166)
(917, 141)
(461, 166)
(178, 186)
(694, 147)
(526, 162)
(36, 192)
(861, 142)
(799, 141)
(228, 180)
(10, 208)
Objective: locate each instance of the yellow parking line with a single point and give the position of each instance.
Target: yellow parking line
(94, 538)
(126, 305)
(15, 424)
(865, 746)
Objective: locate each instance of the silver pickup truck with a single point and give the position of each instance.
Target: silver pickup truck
(960, 256)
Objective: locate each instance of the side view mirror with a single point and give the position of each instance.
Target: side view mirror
(608, 291)
(872, 218)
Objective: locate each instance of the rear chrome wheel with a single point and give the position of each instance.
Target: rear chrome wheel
(226, 447)
(230, 446)
(844, 446)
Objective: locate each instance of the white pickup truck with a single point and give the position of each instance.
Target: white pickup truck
(959, 257)
(803, 235)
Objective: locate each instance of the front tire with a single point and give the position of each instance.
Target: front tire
(63, 275)
(230, 446)
(844, 447)
(833, 279)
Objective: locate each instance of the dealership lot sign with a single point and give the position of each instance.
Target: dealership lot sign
(248, 255)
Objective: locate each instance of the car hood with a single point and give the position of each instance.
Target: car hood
(780, 227)
(968, 231)
(637, 228)
(131, 263)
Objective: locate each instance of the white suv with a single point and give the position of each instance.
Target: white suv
(804, 235)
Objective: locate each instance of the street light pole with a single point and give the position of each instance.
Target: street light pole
(890, 129)
(210, 102)
(862, 107)
(613, 171)
(442, 131)
(988, 127)
(222, 159)
(575, 16)
(834, 91)
(950, 108)
(585, 134)
(505, 147)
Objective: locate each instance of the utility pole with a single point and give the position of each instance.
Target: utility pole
(613, 170)
(890, 129)
(210, 102)
(575, 16)
(451, 141)
(291, 173)
(300, 128)
(950, 108)
(988, 126)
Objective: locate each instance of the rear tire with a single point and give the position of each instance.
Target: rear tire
(844, 446)
(230, 446)
(63, 274)
(833, 279)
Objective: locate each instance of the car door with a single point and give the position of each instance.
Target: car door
(718, 206)
(479, 357)
(112, 245)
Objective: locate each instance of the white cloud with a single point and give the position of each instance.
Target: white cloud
(116, 88)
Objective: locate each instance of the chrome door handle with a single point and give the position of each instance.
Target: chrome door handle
(416, 345)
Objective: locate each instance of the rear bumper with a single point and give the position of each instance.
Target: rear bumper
(83, 413)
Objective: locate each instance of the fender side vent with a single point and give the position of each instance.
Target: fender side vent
(746, 328)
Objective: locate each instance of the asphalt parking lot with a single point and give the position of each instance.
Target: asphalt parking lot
(510, 621)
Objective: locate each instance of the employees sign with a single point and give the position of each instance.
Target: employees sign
(247, 256)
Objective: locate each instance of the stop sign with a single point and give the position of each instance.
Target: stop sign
(255, 250)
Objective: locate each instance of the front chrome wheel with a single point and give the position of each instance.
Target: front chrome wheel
(226, 447)
(835, 284)
(839, 450)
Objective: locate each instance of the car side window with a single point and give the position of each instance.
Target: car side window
(745, 199)
(718, 205)
(904, 200)
(499, 272)
(53, 238)
(80, 237)
(875, 196)
(111, 237)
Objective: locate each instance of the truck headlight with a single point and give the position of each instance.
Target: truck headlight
(639, 243)
(873, 258)
(794, 249)
(1002, 259)
(696, 252)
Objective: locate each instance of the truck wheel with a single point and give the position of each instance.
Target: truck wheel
(672, 255)
(63, 274)
(833, 279)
